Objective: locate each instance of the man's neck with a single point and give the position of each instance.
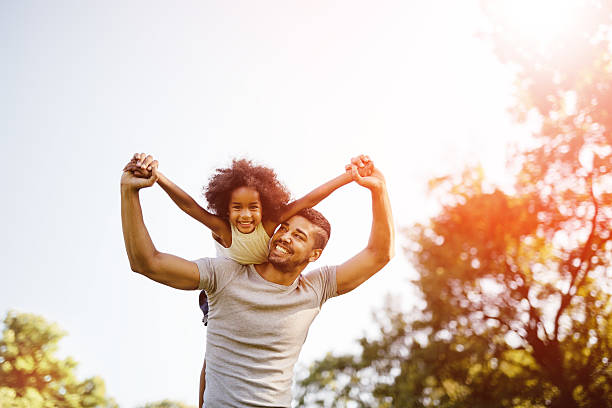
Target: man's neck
(274, 275)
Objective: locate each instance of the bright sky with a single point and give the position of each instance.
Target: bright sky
(298, 86)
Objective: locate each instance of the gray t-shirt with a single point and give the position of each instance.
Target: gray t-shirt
(256, 330)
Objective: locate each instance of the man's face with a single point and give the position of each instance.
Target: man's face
(292, 245)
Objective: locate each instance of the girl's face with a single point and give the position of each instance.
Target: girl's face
(245, 209)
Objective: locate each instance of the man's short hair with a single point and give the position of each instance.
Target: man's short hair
(324, 228)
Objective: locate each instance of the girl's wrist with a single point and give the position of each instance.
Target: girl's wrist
(345, 177)
(161, 179)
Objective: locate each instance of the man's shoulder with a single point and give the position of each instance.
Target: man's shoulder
(215, 273)
(322, 271)
(323, 281)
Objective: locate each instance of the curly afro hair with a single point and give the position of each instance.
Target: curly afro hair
(243, 173)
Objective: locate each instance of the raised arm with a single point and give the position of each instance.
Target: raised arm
(380, 248)
(186, 203)
(140, 165)
(144, 257)
(314, 197)
(318, 194)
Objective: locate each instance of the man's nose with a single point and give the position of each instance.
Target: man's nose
(285, 237)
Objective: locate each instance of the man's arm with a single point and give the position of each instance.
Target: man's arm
(380, 248)
(144, 258)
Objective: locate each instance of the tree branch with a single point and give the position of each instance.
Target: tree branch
(585, 256)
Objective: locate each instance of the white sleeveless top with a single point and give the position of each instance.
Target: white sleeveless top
(246, 249)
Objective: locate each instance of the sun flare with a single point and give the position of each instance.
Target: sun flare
(542, 21)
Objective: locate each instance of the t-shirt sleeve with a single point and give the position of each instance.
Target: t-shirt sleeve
(324, 282)
(215, 273)
(208, 274)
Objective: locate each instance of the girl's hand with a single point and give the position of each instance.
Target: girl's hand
(364, 165)
(141, 165)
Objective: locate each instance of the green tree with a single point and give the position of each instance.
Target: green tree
(166, 404)
(517, 283)
(32, 376)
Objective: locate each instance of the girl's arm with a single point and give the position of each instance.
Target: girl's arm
(365, 168)
(140, 166)
(309, 200)
(184, 201)
(314, 197)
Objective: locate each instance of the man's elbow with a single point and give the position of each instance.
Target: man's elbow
(391, 252)
(384, 255)
(139, 267)
(143, 266)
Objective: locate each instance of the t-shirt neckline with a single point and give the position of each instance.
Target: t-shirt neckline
(273, 284)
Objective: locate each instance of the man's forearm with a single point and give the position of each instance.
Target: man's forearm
(138, 244)
(380, 248)
(382, 234)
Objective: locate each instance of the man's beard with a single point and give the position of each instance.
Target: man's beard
(287, 265)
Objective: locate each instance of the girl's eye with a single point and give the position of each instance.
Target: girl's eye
(298, 236)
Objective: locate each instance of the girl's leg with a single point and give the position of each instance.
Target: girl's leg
(202, 384)
(203, 300)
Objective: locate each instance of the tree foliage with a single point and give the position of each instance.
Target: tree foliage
(166, 404)
(32, 376)
(517, 284)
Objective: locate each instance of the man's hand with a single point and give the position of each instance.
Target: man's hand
(373, 182)
(140, 172)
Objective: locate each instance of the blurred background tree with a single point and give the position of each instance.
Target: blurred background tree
(516, 284)
(167, 404)
(32, 376)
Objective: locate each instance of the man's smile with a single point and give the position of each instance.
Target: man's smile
(282, 249)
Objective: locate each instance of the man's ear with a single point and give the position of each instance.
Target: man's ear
(315, 254)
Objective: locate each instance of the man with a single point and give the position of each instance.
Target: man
(260, 314)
